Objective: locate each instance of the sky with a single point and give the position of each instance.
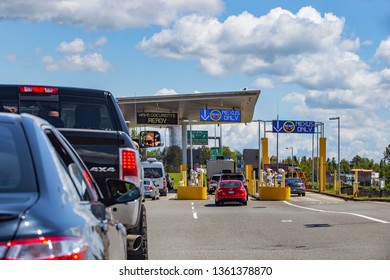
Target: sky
(312, 60)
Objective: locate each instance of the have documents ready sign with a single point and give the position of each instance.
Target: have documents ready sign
(157, 118)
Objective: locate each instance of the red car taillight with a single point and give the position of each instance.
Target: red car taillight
(46, 248)
(128, 165)
(150, 188)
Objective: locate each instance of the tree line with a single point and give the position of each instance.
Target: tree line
(172, 159)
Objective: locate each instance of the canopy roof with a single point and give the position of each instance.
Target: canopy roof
(189, 106)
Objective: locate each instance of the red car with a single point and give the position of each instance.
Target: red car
(230, 190)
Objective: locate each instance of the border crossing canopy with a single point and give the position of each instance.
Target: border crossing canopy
(205, 108)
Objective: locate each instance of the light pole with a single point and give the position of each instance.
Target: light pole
(191, 157)
(292, 160)
(338, 145)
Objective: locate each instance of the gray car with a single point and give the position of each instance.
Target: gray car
(296, 186)
(151, 190)
(48, 194)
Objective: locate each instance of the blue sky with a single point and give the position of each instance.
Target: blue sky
(311, 59)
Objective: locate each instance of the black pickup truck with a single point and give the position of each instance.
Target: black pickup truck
(93, 123)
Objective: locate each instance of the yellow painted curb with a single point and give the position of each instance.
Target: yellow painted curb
(191, 193)
(274, 193)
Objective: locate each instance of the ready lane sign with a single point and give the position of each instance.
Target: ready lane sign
(293, 126)
(219, 115)
(156, 118)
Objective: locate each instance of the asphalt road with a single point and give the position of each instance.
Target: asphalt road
(314, 227)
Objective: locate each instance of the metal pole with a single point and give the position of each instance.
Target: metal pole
(338, 145)
(191, 163)
(312, 160)
(338, 154)
(292, 161)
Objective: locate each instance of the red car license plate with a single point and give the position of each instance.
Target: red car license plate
(231, 192)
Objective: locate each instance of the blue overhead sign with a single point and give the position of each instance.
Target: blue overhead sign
(219, 115)
(293, 126)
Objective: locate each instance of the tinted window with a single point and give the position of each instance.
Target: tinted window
(16, 168)
(81, 113)
(216, 178)
(233, 177)
(44, 109)
(86, 115)
(153, 172)
(230, 184)
(293, 180)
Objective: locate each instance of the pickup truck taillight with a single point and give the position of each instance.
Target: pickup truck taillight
(128, 165)
(46, 248)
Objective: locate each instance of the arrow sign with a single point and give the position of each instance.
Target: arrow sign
(204, 115)
(293, 126)
(220, 115)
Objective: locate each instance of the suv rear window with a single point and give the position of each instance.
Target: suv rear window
(16, 170)
(233, 177)
(216, 178)
(70, 114)
(153, 172)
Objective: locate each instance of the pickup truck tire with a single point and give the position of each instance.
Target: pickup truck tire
(142, 252)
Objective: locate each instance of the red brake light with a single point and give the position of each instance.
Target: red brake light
(87, 177)
(46, 248)
(128, 163)
(38, 89)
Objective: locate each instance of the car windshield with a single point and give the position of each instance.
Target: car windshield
(230, 184)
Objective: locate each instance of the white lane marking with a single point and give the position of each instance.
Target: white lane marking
(194, 214)
(337, 212)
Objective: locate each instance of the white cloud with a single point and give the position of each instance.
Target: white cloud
(106, 14)
(247, 44)
(76, 46)
(91, 62)
(384, 50)
(101, 41)
(165, 91)
(11, 57)
(264, 83)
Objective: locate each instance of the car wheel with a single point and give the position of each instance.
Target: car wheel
(142, 252)
(245, 203)
(303, 194)
(154, 198)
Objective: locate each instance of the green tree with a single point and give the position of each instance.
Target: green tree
(172, 158)
(344, 166)
(204, 154)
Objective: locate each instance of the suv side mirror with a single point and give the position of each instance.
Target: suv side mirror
(150, 139)
(121, 191)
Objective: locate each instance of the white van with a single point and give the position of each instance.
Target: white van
(154, 170)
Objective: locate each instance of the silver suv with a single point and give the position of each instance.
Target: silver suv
(213, 183)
